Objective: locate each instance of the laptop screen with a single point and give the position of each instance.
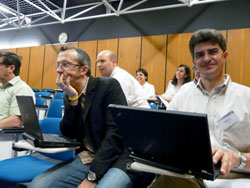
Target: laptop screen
(29, 116)
(176, 139)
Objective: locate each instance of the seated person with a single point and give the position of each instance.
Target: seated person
(107, 66)
(142, 78)
(182, 76)
(102, 160)
(221, 99)
(194, 81)
(11, 85)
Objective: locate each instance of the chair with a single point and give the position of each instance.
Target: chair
(24, 169)
(47, 90)
(44, 95)
(35, 89)
(58, 95)
(43, 100)
(55, 108)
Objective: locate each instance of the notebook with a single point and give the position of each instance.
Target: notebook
(170, 140)
(33, 133)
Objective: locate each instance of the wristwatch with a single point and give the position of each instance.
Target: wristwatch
(243, 161)
(91, 177)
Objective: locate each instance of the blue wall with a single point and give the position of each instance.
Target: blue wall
(221, 15)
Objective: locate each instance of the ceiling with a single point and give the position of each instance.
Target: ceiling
(19, 14)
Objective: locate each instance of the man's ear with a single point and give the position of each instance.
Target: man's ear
(12, 68)
(84, 69)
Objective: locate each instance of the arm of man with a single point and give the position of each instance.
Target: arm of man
(229, 160)
(111, 147)
(13, 121)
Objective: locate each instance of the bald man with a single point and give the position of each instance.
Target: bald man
(107, 66)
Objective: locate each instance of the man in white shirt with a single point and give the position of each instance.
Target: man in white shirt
(107, 66)
(226, 103)
(10, 86)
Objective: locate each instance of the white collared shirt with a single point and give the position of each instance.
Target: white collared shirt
(132, 89)
(148, 90)
(170, 91)
(227, 97)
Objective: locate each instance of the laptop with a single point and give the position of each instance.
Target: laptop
(33, 133)
(169, 140)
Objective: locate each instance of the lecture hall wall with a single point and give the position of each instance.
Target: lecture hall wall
(160, 55)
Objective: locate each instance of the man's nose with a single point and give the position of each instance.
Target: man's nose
(207, 57)
(59, 69)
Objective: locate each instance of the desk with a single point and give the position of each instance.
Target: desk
(146, 168)
(25, 145)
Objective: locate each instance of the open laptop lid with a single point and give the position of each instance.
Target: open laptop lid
(29, 116)
(178, 140)
(33, 133)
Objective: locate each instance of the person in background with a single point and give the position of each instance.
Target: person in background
(194, 81)
(182, 76)
(227, 105)
(107, 66)
(142, 78)
(11, 85)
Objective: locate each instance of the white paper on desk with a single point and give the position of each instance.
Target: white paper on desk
(166, 103)
(25, 145)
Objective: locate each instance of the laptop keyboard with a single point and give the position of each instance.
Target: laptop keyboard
(54, 138)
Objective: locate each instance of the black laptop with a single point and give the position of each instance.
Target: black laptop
(170, 140)
(33, 133)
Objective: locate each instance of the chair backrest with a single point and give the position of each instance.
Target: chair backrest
(59, 95)
(47, 90)
(55, 108)
(40, 101)
(42, 93)
(52, 126)
(35, 89)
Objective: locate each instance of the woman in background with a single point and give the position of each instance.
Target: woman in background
(181, 77)
(142, 78)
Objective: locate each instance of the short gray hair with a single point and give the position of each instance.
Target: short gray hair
(82, 57)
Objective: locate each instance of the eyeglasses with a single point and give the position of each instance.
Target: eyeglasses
(65, 65)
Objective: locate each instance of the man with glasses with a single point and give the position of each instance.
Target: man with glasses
(11, 85)
(101, 160)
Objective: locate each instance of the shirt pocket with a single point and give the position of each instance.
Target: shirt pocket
(238, 136)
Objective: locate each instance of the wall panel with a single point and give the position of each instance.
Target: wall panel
(10, 50)
(49, 73)
(111, 44)
(129, 54)
(177, 54)
(238, 64)
(25, 54)
(36, 67)
(91, 48)
(153, 59)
